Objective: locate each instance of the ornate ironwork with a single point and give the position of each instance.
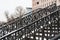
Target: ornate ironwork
(40, 26)
(25, 20)
(43, 24)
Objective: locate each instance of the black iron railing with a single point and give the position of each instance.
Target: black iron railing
(45, 26)
(21, 22)
(12, 25)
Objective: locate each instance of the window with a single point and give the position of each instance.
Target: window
(37, 2)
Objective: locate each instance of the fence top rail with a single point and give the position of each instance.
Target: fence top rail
(25, 26)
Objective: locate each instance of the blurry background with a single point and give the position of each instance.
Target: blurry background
(10, 5)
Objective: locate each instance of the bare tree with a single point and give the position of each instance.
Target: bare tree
(7, 15)
(6, 18)
(20, 11)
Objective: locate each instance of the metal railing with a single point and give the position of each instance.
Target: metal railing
(21, 22)
(45, 26)
(13, 24)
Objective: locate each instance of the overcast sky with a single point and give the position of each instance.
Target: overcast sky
(10, 5)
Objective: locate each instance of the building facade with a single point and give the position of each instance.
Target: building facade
(43, 3)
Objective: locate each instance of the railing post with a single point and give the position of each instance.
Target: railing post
(34, 32)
